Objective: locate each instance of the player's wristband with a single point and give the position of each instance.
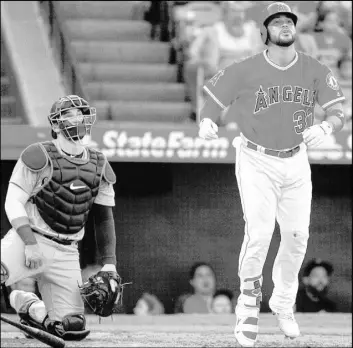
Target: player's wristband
(19, 221)
(26, 234)
(327, 127)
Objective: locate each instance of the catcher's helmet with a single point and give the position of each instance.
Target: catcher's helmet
(271, 11)
(73, 127)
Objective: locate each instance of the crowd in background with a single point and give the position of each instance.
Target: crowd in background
(205, 297)
(207, 36)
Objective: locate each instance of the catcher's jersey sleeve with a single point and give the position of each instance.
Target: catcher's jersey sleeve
(105, 194)
(328, 89)
(24, 178)
(223, 86)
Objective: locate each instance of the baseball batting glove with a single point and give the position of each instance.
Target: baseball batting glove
(208, 129)
(315, 135)
(102, 291)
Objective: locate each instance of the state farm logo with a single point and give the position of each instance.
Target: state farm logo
(172, 145)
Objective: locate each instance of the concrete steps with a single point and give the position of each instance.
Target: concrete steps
(122, 52)
(170, 112)
(5, 86)
(162, 92)
(126, 75)
(108, 29)
(125, 10)
(111, 72)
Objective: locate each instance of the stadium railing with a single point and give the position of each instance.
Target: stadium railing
(58, 38)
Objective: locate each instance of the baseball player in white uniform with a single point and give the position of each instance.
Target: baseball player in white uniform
(272, 95)
(53, 188)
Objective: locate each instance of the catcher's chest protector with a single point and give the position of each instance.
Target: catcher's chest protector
(65, 201)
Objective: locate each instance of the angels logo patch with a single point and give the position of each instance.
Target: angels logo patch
(332, 82)
(215, 78)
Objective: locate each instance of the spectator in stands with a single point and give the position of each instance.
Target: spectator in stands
(345, 69)
(148, 304)
(203, 281)
(222, 302)
(345, 14)
(231, 39)
(345, 77)
(332, 41)
(312, 296)
(307, 14)
(253, 10)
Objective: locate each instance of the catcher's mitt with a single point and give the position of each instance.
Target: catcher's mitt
(98, 294)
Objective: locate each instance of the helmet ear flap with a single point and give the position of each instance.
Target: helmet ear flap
(264, 34)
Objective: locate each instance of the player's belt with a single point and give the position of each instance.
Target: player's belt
(57, 240)
(275, 153)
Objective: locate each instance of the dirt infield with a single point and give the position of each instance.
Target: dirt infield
(318, 330)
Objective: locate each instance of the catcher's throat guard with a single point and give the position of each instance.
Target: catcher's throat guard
(98, 295)
(73, 117)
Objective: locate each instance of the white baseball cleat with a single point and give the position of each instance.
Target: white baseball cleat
(247, 326)
(288, 324)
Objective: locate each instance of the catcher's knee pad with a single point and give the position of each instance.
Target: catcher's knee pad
(72, 327)
(4, 273)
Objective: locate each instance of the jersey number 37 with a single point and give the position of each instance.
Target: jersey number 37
(302, 120)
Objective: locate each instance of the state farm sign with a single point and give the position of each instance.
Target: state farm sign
(175, 144)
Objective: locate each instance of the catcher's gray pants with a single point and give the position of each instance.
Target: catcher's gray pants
(58, 278)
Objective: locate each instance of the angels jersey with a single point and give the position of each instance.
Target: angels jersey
(273, 105)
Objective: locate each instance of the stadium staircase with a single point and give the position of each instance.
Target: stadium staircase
(125, 74)
(11, 106)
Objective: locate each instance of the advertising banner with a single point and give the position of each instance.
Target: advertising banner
(125, 142)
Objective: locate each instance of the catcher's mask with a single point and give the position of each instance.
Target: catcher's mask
(73, 117)
(272, 10)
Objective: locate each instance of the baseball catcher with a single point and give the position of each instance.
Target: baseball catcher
(54, 186)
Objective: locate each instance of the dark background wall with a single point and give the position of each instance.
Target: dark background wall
(171, 215)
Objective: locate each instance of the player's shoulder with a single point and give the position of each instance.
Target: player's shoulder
(307, 59)
(253, 62)
(108, 172)
(249, 62)
(35, 157)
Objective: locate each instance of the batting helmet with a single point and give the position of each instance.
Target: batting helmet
(74, 128)
(270, 12)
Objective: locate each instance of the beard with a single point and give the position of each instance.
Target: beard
(280, 42)
(318, 293)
